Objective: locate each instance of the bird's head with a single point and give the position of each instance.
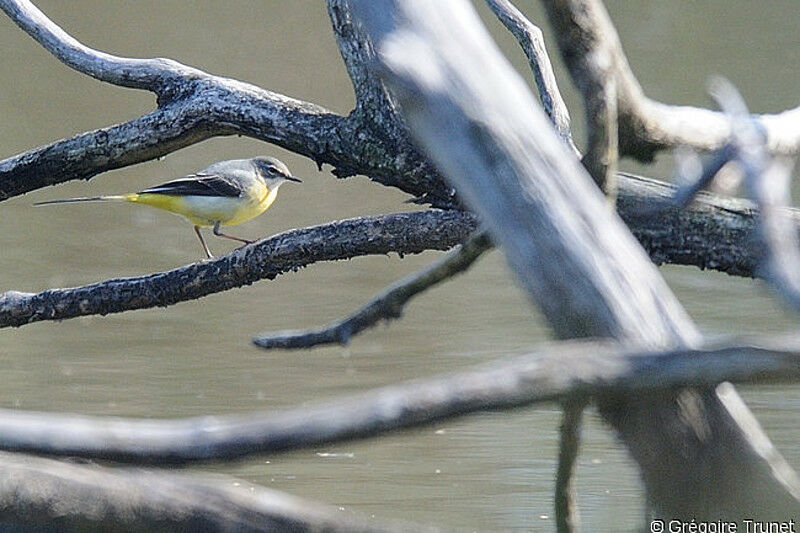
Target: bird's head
(273, 171)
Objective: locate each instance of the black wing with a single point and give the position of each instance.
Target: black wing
(198, 185)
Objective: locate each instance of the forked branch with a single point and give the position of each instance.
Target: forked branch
(387, 305)
(586, 36)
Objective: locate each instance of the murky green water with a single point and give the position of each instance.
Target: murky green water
(491, 472)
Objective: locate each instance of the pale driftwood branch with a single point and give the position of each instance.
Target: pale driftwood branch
(123, 71)
(530, 38)
(566, 505)
(386, 306)
(781, 265)
(38, 494)
(194, 105)
(583, 28)
(567, 371)
(403, 233)
(477, 121)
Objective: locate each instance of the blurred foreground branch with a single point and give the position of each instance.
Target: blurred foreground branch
(558, 372)
(479, 123)
(39, 494)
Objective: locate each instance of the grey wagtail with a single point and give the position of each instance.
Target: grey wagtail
(225, 193)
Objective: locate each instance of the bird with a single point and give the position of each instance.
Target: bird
(223, 194)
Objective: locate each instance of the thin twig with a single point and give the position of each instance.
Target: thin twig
(387, 305)
(566, 507)
(562, 371)
(402, 233)
(530, 38)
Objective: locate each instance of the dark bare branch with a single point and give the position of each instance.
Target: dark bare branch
(583, 29)
(403, 233)
(39, 494)
(387, 305)
(530, 38)
(91, 153)
(194, 105)
(713, 232)
(562, 371)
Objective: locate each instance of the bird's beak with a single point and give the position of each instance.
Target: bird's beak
(292, 178)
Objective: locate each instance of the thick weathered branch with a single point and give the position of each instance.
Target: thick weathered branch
(387, 305)
(713, 232)
(530, 38)
(403, 233)
(574, 258)
(194, 106)
(91, 153)
(38, 494)
(559, 372)
(586, 34)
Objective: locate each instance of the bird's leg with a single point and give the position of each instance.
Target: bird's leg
(218, 233)
(203, 242)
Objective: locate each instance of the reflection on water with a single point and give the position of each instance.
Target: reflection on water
(491, 472)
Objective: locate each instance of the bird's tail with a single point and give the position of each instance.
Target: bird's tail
(116, 198)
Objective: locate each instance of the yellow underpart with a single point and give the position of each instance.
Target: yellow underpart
(208, 210)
